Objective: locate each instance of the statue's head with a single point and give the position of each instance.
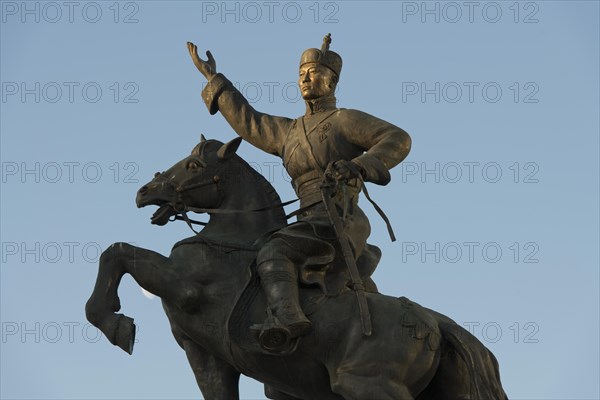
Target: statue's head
(319, 71)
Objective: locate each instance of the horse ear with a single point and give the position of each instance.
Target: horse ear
(202, 138)
(229, 148)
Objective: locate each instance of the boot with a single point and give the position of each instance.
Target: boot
(287, 321)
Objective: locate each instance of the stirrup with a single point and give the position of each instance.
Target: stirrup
(274, 338)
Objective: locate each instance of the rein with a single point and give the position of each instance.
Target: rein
(189, 222)
(181, 208)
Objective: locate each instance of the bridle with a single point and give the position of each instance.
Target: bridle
(179, 205)
(181, 208)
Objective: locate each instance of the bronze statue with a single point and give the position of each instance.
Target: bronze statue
(358, 147)
(231, 291)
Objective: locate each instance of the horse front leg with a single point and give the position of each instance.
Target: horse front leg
(216, 379)
(151, 270)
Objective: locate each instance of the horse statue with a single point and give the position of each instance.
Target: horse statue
(212, 296)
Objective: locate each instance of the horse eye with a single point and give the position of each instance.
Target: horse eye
(193, 165)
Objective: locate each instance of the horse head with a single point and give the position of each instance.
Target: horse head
(212, 177)
(192, 182)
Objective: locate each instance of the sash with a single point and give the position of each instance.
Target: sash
(304, 143)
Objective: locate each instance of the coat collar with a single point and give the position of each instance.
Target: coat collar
(321, 104)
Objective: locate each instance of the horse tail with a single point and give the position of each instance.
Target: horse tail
(481, 364)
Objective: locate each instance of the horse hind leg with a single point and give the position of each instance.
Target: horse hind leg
(359, 387)
(451, 381)
(467, 369)
(275, 394)
(369, 377)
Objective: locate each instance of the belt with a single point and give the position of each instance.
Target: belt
(307, 178)
(308, 187)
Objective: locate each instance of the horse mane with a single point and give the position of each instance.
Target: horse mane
(265, 184)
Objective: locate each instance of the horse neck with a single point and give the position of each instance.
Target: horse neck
(248, 191)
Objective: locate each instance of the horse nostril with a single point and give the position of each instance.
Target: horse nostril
(143, 189)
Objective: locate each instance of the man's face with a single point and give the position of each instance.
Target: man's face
(316, 81)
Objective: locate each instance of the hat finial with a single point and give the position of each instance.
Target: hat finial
(326, 43)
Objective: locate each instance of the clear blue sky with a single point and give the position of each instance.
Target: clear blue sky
(496, 208)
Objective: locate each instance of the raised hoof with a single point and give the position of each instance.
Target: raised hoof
(124, 333)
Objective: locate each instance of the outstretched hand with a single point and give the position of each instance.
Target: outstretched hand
(207, 68)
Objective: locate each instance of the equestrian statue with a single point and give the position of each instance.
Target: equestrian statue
(292, 305)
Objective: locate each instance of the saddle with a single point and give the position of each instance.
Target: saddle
(250, 309)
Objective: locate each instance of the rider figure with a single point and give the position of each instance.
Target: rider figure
(356, 145)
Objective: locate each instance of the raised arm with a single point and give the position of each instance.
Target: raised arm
(264, 131)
